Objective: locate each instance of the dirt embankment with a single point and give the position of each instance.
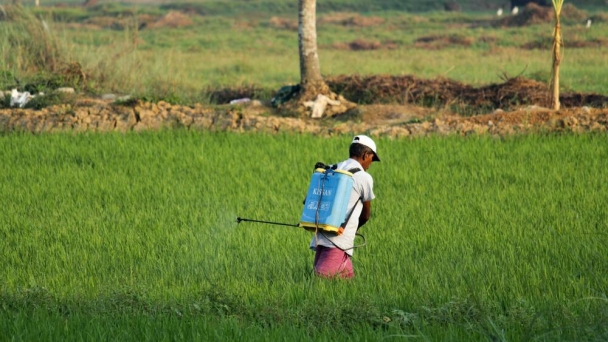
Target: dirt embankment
(394, 106)
(377, 120)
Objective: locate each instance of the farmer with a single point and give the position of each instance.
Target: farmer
(333, 252)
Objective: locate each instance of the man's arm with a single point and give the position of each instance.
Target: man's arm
(366, 213)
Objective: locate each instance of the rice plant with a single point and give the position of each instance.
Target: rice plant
(135, 237)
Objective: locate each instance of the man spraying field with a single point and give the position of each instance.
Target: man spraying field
(337, 204)
(333, 251)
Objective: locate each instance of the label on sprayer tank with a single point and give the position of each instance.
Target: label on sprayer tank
(327, 200)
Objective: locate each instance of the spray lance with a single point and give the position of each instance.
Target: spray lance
(326, 203)
(240, 219)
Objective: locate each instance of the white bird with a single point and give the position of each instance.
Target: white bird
(515, 10)
(499, 12)
(588, 23)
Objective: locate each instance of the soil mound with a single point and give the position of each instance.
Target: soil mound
(547, 44)
(437, 42)
(441, 92)
(534, 14)
(283, 23)
(350, 19)
(173, 19)
(365, 45)
(116, 23)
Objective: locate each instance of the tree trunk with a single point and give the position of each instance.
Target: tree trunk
(314, 98)
(310, 69)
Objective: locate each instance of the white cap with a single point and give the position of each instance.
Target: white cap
(366, 141)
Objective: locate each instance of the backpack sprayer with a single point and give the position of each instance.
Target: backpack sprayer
(326, 202)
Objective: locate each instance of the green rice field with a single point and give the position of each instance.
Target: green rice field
(133, 237)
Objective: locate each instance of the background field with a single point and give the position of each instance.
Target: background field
(149, 51)
(134, 237)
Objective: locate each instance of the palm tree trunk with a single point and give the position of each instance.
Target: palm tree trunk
(310, 69)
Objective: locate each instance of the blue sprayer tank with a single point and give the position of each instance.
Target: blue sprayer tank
(327, 200)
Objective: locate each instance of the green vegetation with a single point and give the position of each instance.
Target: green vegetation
(120, 48)
(133, 237)
(244, 7)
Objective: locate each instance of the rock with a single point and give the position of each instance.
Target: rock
(163, 105)
(125, 122)
(227, 121)
(480, 129)
(570, 122)
(81, 113)
(426, 126)
(40, 126)
(442, 127)
(392, 132)
(586, 110)
(106, 125)
(597, 127)
(80, 127)
(140, 127)
(185, 120)
(201, 122)
(57, 127)
(505, 130)
(416, 130)
(145, 114)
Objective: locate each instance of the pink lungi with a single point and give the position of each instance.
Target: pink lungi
(332, 262)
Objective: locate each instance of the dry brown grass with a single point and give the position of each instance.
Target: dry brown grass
(173, 19)
(283, 23)
(364, 45)
(350, 19)
(436, 42)
(408, 89)
(116, 23)
(339, 18)
(546, 44)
